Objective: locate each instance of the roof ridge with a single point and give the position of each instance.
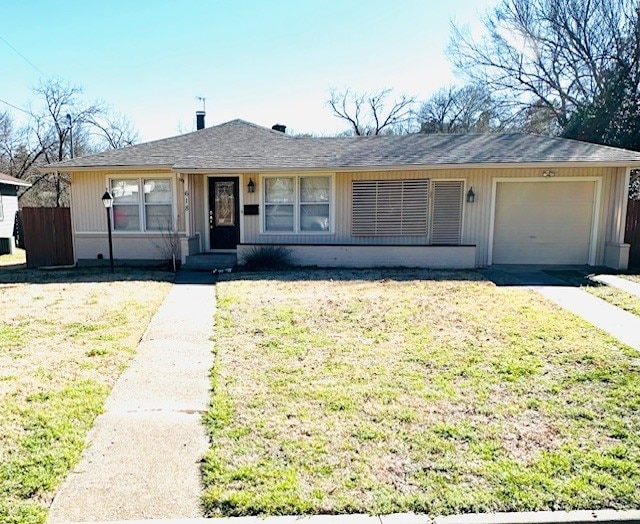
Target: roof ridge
(252, 124)
(183, 136)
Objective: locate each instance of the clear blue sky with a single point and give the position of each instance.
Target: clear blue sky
(265, 61)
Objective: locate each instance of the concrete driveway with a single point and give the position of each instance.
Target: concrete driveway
(562, 285)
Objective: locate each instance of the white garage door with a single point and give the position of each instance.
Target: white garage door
(543, 222)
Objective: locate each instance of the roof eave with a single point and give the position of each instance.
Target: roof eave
(342, 168)
(11, 183)
(411, 167)
(76, 169)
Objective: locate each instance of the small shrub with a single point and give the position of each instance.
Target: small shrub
(267, 257)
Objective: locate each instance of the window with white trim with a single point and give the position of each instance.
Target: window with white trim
(390, 207)
(1, 207)
(401, 208)
(297, 204)
(142, 204)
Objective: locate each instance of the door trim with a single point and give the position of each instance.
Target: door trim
(595, 221)
(207, 207)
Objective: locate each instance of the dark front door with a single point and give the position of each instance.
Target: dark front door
(224, 213)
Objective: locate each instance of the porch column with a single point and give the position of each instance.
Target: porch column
(187, 204)
(624, 195)
(616, 252)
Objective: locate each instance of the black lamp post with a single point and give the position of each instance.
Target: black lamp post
(107, 200)
(70, 133)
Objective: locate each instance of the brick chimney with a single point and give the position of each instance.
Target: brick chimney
(279, 127)
(200, 120)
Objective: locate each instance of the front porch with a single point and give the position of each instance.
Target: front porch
(210, 261)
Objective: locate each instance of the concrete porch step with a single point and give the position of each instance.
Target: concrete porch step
(211, 261)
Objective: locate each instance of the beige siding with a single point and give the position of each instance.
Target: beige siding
(87, 209)
(88, 216)
(133, 246)
(342, 226)
(88, 187)
(476, 216)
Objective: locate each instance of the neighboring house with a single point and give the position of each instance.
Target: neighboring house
(8, 208)
(414, 200)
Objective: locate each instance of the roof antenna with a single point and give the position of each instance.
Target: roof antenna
(203, 100)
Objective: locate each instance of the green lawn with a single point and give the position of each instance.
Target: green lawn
(436, 392)
(65, 337)
(617, 297)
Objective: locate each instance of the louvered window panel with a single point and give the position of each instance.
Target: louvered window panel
(390, 207)
(446, 220)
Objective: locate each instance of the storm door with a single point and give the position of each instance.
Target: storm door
(224, 213)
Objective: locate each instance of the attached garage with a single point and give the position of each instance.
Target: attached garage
(545, 221)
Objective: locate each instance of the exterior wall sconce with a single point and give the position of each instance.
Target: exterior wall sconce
(251, 186)
(548, 173)
(471, 196)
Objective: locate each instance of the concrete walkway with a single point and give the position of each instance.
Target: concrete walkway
(527, 517)
(620, 283)
(621, 324)
(143, 455)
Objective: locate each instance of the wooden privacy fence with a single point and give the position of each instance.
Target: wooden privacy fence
(47, 236)
(632, 233)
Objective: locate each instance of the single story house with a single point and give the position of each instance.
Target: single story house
(446, 201)
(8, 207)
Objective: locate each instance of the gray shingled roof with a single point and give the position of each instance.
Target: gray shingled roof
(12, 181)
(240, 145)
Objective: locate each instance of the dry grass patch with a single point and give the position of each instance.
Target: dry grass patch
(65, 337)
(17, 259)
(436, 392)
(633, 278)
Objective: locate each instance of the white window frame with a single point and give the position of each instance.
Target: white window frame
(1, 208)
(142, 216)
(297, 203)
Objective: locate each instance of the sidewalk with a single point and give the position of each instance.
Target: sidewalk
(620, 283)
(527, 517)
(143, 455)
(620, 324)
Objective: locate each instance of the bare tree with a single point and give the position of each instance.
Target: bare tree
(46, 139)
(113, 130)
(51, 128)
(16, 154)
(467, 109)
(373, 113)
(51, 125)
(556, 56)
